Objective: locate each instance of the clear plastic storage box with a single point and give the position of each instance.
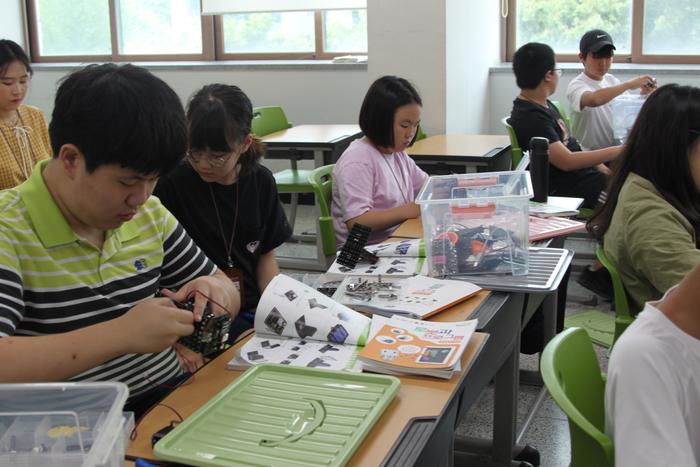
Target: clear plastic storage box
(67, 424)
(625, 110)
(476, 223)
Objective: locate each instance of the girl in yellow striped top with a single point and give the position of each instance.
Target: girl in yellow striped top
(24, 136)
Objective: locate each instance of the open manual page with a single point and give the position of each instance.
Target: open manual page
(298, 326)
(416, 297)
(391, 262)
(405, 346)
(414, 247)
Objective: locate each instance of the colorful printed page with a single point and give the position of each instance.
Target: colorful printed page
(417, 347)
(409, 248)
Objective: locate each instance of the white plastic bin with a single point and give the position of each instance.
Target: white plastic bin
(625, 110)
(476, 223)
(67, 424)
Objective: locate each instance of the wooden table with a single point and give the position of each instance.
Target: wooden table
(324, 144)
(443, 154)
(412, 429)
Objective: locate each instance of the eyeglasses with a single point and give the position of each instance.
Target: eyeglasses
(214, 161)
(558, 71)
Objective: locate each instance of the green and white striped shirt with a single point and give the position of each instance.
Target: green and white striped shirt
(52, 281)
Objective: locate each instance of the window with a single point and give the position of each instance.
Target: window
(134, 30)
(644, 31)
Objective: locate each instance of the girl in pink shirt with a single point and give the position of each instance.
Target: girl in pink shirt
(375, 182)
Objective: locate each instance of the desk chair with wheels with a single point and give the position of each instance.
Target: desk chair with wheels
(321, 181)
(268, 120)
(571, 372)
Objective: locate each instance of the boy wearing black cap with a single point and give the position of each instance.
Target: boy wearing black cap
(590, 93)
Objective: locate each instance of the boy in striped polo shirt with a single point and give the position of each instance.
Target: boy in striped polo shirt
(83, 247)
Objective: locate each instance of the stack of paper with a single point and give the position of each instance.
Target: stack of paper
(549, 210)
(404, 346)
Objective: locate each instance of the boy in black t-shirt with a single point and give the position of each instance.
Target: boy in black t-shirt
(571, 171)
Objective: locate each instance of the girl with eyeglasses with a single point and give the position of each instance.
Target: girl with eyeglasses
(24, 136)
(650, 221)
(226, 201)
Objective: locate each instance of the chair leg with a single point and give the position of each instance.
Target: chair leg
(293, 209)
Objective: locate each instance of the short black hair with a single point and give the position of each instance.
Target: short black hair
(531, 63)
(383, 99)
(605, 52)
(11, 52)
(120, 115)
(219, 115)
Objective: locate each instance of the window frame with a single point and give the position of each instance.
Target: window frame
(508, 48)
(212, 44)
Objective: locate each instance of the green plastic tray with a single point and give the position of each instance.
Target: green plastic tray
(275, 415)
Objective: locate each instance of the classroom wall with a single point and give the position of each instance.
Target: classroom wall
(448, 48)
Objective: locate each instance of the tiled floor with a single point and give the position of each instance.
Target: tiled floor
(549, 431)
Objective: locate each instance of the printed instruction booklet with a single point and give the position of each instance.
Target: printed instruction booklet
(416, 297)
(390, 266)
(400, 345)
(414, 247)
(298, 326)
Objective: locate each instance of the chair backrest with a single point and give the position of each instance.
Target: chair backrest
(420, 134)
(622, 309)
(321, 180)
(268, 120)
(561, 110)
(571, 372)
(516, 151)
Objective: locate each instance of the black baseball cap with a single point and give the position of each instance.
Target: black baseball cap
(595, 40)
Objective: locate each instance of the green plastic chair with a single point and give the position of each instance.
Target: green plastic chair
(420, 134)
(561, 110)
(622, 309)
(601, 327)
(516, 151)
(571, 373)
(267, 120)
(321, 180)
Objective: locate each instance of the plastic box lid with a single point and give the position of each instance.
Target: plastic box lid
(68, 424)
(275, 415)
(476, 188)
